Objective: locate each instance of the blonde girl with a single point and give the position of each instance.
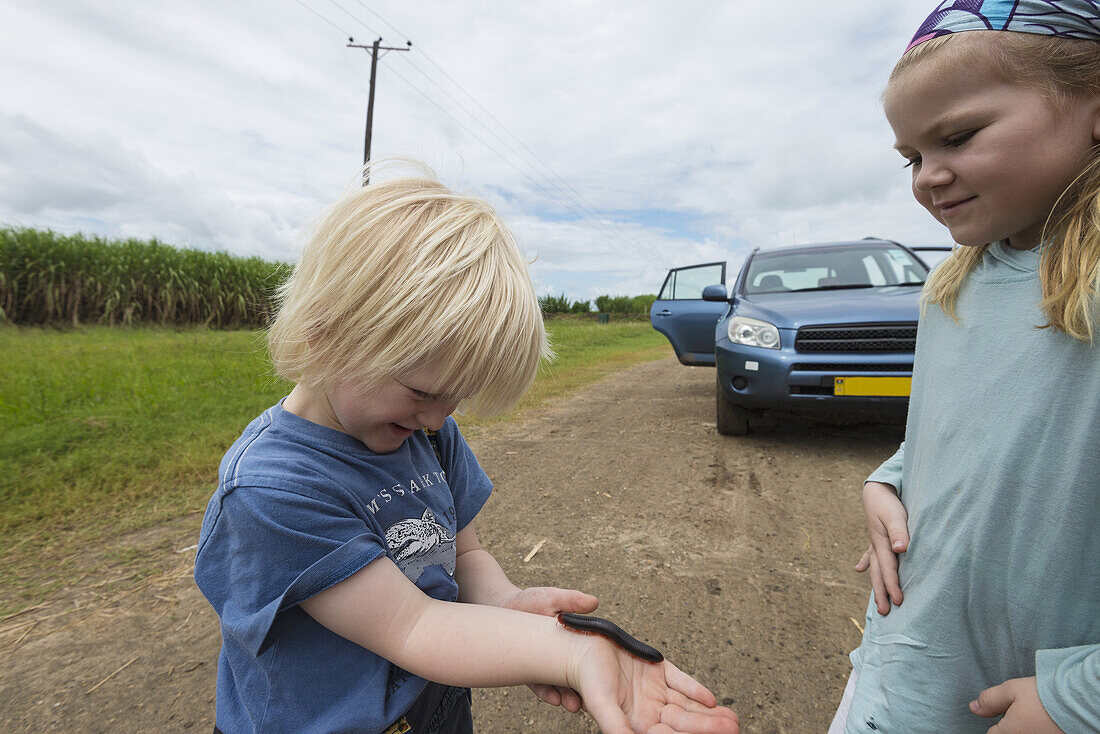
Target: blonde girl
(985, 555)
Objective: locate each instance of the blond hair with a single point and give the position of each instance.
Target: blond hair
(1069, 266)
(407, 274)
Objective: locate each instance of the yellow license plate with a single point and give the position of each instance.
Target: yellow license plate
(872, 386)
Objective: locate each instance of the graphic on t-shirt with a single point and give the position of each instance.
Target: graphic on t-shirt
(416, 544)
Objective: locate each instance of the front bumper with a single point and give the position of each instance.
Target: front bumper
(785, 381)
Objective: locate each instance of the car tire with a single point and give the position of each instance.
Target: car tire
(733, 420)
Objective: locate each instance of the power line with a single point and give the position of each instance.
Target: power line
(473, 99)
(355, 18)
(573, 201)
(376, 15)
(342, 31)
(580, 213)
(374, 60)
(576, 195)
(553, 178)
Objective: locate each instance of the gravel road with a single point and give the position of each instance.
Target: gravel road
(732, 555)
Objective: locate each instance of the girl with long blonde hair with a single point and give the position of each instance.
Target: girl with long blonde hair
(984, 557)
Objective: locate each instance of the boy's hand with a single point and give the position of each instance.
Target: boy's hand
(886, 524)
(552, 601)
(1018, 700)
(626, 695)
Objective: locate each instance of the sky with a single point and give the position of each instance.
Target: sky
(618, 139)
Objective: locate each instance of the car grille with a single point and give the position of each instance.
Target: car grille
(857, 338)
(845, 367)
(811, 390)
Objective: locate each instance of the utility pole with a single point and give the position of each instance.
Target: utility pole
(374, 48)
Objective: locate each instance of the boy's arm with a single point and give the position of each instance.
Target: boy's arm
(475, 645)
(456, 644)
(481, 580)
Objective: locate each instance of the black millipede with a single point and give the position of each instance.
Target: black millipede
(613, 632)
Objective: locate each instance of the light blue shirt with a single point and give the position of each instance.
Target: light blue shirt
(1000, 475)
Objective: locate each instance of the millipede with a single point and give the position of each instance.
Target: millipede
(613, 632)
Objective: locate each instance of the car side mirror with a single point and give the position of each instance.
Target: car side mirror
(715, 293)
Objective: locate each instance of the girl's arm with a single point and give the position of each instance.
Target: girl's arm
(1017, 702)
(475, 645)
(887, 526)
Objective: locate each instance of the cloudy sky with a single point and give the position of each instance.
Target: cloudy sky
(618, 138)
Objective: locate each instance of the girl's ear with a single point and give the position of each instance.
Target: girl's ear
(1096, 119)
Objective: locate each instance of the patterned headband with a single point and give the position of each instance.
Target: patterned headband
(1065, 18)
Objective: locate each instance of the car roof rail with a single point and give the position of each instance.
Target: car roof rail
(883, 239)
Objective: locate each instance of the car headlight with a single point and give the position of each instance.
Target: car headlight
(753, 332)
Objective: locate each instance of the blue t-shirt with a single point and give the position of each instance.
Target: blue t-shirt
(301, 507)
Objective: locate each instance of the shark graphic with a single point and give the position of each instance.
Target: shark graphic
(416, 544)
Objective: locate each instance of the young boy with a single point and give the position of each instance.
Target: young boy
(339, 549)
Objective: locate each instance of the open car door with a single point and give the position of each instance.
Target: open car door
(681, 314)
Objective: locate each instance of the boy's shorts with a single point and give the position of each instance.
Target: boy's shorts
(439, 709)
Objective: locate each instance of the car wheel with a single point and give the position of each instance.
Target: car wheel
(733, 420)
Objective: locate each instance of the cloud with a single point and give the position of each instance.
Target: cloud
(48, 180)
(43, 171)
(618, 138)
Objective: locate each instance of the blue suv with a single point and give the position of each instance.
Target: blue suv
(825, 330)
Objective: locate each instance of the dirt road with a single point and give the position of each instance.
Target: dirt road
(731, 555)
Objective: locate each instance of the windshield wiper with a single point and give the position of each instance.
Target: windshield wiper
(833, 287)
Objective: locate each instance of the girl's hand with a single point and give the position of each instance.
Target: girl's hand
(886, 524)
(1018, 700)
(552, 601)
(626, 695)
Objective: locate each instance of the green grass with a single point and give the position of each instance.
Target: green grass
(587, 351)
(94, 421)
(108, 430)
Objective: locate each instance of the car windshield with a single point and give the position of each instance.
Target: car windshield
(832, 268)
(932, 256)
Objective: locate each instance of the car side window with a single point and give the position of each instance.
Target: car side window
(688, 283)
